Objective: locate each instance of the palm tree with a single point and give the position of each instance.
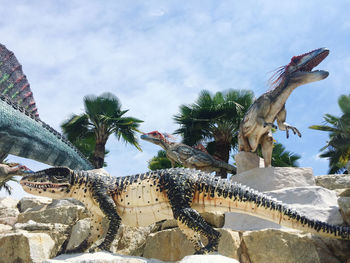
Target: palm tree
(337, 149)
(5, 175)
(102, 117)
(160, 161)
(215, 120)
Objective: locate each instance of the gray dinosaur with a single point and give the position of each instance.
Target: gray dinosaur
(255, 128)
(188, 156)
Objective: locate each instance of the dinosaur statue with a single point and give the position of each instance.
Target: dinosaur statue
(22, 132)
(179, 193)
(256, 125)
(188, 156)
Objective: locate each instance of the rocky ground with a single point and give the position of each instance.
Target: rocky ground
(39, 229)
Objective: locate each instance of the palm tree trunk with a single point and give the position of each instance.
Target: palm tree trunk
(222, 151)
(99, 154)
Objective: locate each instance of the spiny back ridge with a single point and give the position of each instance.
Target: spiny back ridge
(13, 83)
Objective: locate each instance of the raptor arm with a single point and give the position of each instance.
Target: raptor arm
(283, 126)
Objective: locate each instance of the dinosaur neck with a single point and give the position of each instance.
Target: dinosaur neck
(280, 94)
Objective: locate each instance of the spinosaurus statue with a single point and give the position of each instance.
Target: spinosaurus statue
(186, 155)
(256, 125)
(22, 132)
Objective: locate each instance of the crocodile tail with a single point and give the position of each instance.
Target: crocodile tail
(217, 195)
(13, 83)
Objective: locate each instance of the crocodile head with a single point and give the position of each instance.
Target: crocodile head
(53, 182)
(300, 69)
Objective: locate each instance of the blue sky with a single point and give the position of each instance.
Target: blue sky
(157, 55)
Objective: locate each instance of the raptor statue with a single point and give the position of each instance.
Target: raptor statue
(255, 128)
(142, 199)
(188, 156)
(22, 132)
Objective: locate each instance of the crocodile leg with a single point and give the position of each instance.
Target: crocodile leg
(190, 219)
(191, 235)
(180, 193)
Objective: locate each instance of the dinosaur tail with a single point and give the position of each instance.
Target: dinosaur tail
(228, 167)
(214, 194)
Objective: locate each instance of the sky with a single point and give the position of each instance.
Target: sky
(156, 55)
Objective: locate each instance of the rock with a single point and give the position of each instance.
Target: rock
(5, 228)
(79, 233)
(168, 245)
(131, 240)
(345, 192)
(285, 246)
(344, 207)
(313, 201)
(167, 224)
(333, 181)
(25, 247)
(8, 211)
(99, 257)
(33, 203)
(215, 219)
(59, 211)
(172, 245)
(247, 160)
(208, 259)
(274, 178)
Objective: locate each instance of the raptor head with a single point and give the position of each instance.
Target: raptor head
(53, 182)
(299, 70)
(154, 137)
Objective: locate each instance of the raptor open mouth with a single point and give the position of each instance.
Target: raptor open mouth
(312, 63)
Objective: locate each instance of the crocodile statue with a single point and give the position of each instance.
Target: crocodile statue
(22, 132)
(142, 199)
(186, 155)
(255, 128)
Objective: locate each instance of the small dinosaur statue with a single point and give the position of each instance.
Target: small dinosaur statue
(142, 199)
(22, 133)
(188, 156)
(256, 125)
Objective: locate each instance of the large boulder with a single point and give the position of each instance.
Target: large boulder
(274, 178)
(275, 246)
(8, 211)
(65, 211)
(26, 247)
(33, 203)
(333, 181)
(295, 187)
(172, 245)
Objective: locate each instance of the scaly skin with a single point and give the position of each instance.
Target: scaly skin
(188, 156)
(256, 125)
(143, 199)
(22, 133)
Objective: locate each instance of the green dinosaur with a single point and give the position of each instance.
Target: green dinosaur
(22, 132)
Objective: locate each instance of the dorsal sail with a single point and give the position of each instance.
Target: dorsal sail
(13, 83)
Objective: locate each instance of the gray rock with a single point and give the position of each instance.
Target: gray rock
(79, 233)
(344, 206)
(8, 211)
(274, 178)
(26, 247)
(33, 203)
(333, 181)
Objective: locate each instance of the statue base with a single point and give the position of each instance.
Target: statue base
(246, 161)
